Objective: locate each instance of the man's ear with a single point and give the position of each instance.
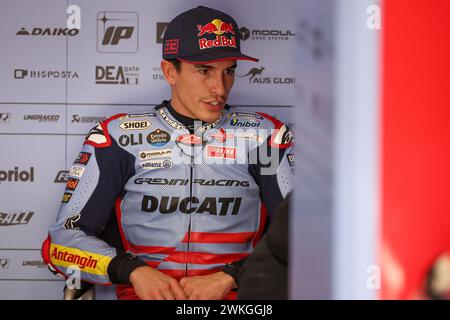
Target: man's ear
(169, 71)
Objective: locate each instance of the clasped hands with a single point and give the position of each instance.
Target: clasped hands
(151, 284)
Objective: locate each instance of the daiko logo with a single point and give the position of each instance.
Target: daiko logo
(46, 31)
(117, 31)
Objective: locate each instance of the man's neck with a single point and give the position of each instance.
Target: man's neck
(188, 122)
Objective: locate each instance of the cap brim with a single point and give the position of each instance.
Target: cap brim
(217, 56)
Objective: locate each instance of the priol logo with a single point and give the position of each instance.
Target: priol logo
(116, 75)
(16, 176)
(12, 219)
(48, 32)
(117, 32)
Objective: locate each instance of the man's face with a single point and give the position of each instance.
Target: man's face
(200, 91)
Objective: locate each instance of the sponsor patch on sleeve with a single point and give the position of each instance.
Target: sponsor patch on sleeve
(71, 221)
(83, 158)
(76, 171)
(87, 261)
(290, 158)
(72, 184)
(282, 137)
(66, 197)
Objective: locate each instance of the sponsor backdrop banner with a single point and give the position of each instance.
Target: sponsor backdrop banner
(66, 65)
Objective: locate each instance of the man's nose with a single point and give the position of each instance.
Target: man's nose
(218, 86)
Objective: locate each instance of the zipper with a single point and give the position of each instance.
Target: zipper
(191, 176)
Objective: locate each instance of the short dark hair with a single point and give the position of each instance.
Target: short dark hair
(176, 63)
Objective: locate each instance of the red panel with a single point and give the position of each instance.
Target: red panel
(209, 237)
(415, 142)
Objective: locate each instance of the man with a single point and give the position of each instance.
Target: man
(167, 207)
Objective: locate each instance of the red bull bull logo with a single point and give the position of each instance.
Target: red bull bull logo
(216, 26)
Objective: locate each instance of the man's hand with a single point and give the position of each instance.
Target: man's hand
(151, 284)
(214, 286)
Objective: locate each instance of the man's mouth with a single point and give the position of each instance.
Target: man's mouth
(214, 105)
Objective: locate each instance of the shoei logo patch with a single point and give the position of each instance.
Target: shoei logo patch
(217, 27)
(87, 261)
(135, 125)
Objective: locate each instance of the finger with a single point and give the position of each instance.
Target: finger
(193, 296)
(178, 291)
(183, 282)
(168, 295)
(158, 296)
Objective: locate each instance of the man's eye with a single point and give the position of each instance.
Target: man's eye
(230, 72)
(203, 71)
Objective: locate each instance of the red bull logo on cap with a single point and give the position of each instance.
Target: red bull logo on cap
(218, 27)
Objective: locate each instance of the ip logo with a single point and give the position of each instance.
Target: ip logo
(117, 32)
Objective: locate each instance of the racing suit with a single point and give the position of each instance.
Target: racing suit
(147, 190)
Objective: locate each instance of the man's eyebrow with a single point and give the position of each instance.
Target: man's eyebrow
(203, 66)
(207, 66)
